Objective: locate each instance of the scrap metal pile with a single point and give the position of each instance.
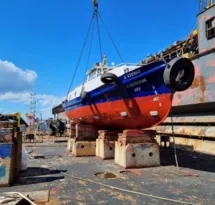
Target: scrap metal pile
(7, 124)
(58, 127)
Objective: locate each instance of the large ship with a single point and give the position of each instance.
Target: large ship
(131, 96)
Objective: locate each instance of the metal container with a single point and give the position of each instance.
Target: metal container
(6, 164)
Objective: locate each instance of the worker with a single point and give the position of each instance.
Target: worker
(95, 3)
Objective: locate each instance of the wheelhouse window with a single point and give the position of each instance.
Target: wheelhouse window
(92, 75)
(210, 28)
(98, 72)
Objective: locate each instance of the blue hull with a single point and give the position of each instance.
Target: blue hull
(144, 81)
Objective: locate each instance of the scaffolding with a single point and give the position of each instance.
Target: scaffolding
(32, 103)
(31, 119)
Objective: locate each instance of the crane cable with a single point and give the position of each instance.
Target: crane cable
(97, 15)
(111, 38)
(89, 53)
(79, 59)
(173, 135)
(182, 173)
(99, 36)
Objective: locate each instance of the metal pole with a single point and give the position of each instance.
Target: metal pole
(41, 116)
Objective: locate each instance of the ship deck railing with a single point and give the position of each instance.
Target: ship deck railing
(123, 64)
(109, 68)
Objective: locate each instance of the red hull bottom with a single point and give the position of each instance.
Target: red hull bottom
(141, 112)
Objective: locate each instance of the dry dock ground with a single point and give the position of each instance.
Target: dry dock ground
(50, 169)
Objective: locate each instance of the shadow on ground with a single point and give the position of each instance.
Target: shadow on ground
(38, 171)
(36, 180)
(186, 159)
(35, 175)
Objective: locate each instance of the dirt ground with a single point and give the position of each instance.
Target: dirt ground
(49, 168)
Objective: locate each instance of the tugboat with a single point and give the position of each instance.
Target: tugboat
(129, 96)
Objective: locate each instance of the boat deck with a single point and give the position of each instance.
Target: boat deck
(50, 169)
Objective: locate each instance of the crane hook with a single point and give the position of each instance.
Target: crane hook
(95, 3)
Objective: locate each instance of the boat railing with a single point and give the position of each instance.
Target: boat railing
(109, 68)
(123, 64)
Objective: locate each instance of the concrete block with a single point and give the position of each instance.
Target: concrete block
(84, 148)
(70, 144)
(105, 149)
(137, 155)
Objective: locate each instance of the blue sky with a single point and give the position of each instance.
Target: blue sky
(40, 42)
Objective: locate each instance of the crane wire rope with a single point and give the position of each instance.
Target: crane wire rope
(89, 53)
(182, 173)
(110, 37)
(79, 59)
(97, 15)
(99, 35)
(173, 135)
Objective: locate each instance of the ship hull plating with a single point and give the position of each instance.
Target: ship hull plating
(139, 100)
(132, 113)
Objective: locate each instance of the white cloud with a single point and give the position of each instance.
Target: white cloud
(14, 79)
(15, 84)
(48, 100)
(24, 97)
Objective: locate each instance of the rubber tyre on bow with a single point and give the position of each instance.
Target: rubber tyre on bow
(109, 78)
(179, 74)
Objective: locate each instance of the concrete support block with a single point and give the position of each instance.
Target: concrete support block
(105, 149)
(69, 147)
(105, 144)
(84, 148)
(70, 144)
(137, 155)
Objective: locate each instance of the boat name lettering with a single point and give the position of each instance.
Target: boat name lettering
(129, 75)
(137, 89)
(139, 82)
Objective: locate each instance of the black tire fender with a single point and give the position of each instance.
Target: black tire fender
(84, 97)
(109, 78)
(179, 74)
